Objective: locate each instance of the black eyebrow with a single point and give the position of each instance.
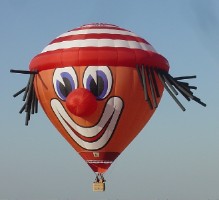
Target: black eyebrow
(31, 102)
(174, 86)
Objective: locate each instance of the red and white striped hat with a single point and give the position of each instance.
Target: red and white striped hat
(98, 44)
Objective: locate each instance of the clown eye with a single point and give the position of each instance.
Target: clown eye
(64, 81)
(98, 80)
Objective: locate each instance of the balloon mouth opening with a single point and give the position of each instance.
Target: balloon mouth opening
(99, 162)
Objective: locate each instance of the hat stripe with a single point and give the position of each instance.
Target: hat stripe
(99, 36)
(98, 43)
(98, 31)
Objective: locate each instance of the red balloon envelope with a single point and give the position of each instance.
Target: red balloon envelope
(99, 85)
(89, 87)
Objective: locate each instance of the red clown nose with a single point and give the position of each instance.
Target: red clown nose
(81, 102)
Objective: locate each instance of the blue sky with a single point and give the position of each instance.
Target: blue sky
(175, 157)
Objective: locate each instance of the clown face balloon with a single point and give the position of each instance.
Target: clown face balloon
(89, 88)
(99, 85)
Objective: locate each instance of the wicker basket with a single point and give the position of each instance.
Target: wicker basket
(98, 187)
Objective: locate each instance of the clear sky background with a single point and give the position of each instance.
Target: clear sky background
(175, 157)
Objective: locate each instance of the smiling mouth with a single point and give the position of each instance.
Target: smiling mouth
(90, 139)
(97, 136)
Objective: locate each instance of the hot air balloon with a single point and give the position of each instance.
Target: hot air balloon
(99, 85)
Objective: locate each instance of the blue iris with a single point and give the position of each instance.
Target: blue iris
(65, 87)
(100, 86)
